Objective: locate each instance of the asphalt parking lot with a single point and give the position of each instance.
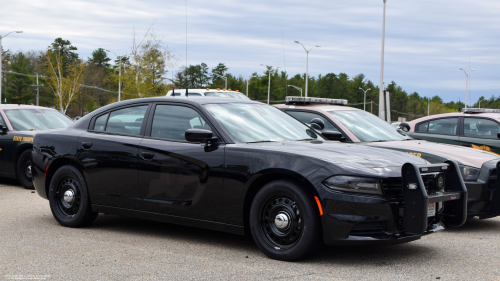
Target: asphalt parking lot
(33, 245)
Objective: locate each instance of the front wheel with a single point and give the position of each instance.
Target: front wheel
(69, 199)
(285, 221)
(23, 170)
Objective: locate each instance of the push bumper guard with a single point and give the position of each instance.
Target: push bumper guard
(417, 199)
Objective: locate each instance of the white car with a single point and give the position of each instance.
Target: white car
(207, 93)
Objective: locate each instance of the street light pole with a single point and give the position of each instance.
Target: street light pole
(307, 62)
(247, 80)
(381, 107)
(269, 84)
(119, 74)
(223, 77)
(428, 106)
(1, 37)
(364, 101)
(300, 89)
(466, 83)
(481, 99)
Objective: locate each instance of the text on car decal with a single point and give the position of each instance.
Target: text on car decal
(19, 138)
(415, 153)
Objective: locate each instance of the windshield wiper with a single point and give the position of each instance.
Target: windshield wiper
(379, 141)
(307, 139)
(261, 141)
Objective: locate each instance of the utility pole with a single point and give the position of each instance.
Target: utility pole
(37, 91)
(381, 100)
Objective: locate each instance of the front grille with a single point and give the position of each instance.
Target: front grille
(368, 229)
(393, 188)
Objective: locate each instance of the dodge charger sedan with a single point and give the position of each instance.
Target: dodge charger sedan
(352, 125)
(242, 167)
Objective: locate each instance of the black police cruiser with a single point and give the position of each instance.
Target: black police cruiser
(242, 167)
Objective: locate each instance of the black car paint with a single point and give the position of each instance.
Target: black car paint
(480, 198)
(218, 181)
(12, 144)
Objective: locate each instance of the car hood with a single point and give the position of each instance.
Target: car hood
(350, 156)
(465, 155)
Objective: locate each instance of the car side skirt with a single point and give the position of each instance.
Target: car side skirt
(235, 229)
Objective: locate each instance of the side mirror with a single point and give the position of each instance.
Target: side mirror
(317, 124)
(333, 135)
(3, 128)
(405, 127)
(199, 135)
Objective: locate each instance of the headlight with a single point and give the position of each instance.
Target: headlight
(469, 173)
(354, 184)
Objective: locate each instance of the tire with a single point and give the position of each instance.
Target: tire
(285, 240)
(69, 199)
(23, 170)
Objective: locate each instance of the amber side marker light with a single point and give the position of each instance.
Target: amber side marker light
(319, 205)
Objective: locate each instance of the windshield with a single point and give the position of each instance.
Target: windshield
(259, 123)
(368, 127)
(36, 119)
(226, 95)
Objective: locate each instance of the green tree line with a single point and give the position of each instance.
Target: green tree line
(146, 72)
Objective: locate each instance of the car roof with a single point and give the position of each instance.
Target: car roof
(456, 114)
(23, 106)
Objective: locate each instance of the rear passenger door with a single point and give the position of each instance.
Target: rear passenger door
(108, 152)
(178, 177)
(442, 130)
(481, 133)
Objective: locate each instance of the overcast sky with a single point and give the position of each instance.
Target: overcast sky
(426, 41)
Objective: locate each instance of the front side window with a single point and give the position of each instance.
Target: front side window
(444, 126)
(36, 119)
(123, 121)
(422, 127)
(368, 127)
(306, 117)
(172, 121)
(259, 123)
(480, 128)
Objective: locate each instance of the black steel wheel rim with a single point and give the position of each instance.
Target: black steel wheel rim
(27, 169)
(281, 236)
(68, 197)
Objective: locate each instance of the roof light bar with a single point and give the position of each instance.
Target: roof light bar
(293, 99)
(480, 110)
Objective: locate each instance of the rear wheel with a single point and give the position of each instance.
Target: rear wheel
(285, 222)
(23, 169)
(69, 198)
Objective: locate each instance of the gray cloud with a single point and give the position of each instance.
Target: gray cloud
(426, 41)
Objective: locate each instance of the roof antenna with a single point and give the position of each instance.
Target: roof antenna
(173, 91)
(186, 92)
(19, 103)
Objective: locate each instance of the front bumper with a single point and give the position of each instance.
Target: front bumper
(350, 219)
(484, 193)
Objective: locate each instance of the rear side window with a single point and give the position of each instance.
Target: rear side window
(306, 117)
(124, 121)
(100, 122)
(445, 126)
(480, 128)
(172, 121)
